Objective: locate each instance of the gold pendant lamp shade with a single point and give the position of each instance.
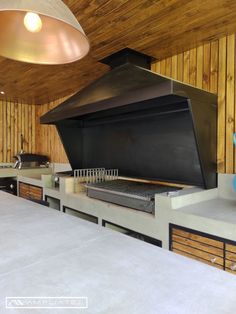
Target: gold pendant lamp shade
(40, 31)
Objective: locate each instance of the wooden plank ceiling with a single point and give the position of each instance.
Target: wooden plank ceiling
(158, 28)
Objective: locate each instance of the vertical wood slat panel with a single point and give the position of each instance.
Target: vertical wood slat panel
(4, 131)
(53, 138)
(168, 67)
(186, 71)
(221, 105)
(22, 125)
(212, 67)
(29, 129)
(206, 66)
(234, 149)
(12, 130)
(48, 141)
(33, 112)
(154, 66)
(26, 127)
(174, 69)
(158, 67)
(163, 67)
(199, 74)
(14, 120)
(15, 127)
(229, 162)
(192, 66)
(180, 64)
(19, 126)
(8, 131)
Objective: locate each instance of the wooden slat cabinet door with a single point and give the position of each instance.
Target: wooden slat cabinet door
(230, 258)
(30, 191)
(199, 247)
(36, 192)
(24, 190)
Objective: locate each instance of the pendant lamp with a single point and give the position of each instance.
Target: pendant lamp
(41, 32)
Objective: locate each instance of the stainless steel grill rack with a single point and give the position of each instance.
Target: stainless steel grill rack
(92, 175)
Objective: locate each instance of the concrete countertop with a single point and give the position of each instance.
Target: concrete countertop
(49, 253)
(27, 172)
(33, 176)
(217, 209)
(8, 172)
(31, 179)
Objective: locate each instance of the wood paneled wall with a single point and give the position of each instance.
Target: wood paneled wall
(16, 119)
(47, 139)
(211, 67)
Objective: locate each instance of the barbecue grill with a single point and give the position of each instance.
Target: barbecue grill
(136, 195)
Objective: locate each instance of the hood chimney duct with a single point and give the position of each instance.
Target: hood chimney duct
(128, 55)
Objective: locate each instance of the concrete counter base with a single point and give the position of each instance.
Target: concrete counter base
(209, 211)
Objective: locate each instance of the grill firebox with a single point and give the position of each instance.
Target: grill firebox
(136, 195)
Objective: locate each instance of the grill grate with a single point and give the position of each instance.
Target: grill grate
(139, 190)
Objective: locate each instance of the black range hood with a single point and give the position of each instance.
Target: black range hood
(144, 124)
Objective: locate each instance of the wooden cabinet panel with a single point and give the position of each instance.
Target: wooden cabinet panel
(230, 266)
(230, 248)
(218, 252)
(200, 247)
(23, 190)
(30, 191)
(196, 237)
(35, 192)
(230, 256)
(197, 258)
(209, 258)
(230, 271)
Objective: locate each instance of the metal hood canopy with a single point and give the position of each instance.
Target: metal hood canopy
(144, 124)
